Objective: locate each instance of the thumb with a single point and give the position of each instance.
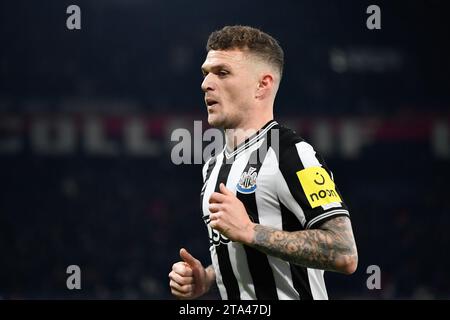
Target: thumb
(224, 190)
(188, 258)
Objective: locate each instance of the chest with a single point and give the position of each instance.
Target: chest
(253, 182)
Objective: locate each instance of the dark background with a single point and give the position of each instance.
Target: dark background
(374, 102)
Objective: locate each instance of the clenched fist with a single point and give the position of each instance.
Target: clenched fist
(188, 278)
(229, 216)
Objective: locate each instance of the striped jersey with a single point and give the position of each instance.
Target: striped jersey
(283, 183)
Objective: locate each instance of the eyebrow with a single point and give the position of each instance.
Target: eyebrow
(216, 67)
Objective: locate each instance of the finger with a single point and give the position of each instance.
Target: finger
(215, 220)
(196, 265)
(183, 269)
(185, 289)
(215, 224)
(215, 216)
(217, 197)
(224, 190)
(181, 295)
(180, 279)
(214, 207)
(188, 258)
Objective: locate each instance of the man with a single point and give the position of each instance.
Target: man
(275, 218)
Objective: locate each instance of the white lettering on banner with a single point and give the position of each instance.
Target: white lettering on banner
(187, 142)
(323, 137)
(95, 139)
(136, 141)
(440, 140)
(351, 139)
(55, 137)
(10, 126)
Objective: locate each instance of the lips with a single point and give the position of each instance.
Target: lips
(210, 102)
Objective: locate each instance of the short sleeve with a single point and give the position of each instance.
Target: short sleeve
(311, 184)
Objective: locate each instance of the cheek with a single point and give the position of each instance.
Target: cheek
(239, 94)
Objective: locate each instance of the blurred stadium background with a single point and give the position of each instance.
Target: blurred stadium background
(86, 118)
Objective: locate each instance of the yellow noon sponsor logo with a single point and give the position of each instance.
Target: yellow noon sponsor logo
(318, 186)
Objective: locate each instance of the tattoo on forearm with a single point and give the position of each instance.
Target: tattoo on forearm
(326, 248)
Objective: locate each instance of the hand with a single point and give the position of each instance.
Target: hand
(188, 278)
(229, 216)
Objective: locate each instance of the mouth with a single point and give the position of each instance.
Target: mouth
(210, 102)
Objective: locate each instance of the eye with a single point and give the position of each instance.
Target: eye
(223, 73)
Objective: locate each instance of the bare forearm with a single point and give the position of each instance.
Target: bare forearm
(330, 249)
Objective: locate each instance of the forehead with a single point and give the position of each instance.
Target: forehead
(231, 58)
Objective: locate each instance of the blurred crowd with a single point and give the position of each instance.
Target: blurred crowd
(122, 217)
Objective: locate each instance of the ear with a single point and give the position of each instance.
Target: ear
(265, 86)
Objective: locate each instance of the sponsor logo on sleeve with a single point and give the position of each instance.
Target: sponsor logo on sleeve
(318, 186)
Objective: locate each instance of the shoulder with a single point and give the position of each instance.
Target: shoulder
(287, 142)
(287, 136)
(293, 150)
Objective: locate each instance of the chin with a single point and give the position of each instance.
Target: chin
(214, 121)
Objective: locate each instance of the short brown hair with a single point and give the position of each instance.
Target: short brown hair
(247, 38)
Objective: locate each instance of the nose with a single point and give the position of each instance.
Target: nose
(207, 84)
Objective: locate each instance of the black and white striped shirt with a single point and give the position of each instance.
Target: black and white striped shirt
(283, 184)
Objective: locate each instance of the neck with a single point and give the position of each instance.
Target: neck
(237, 135)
